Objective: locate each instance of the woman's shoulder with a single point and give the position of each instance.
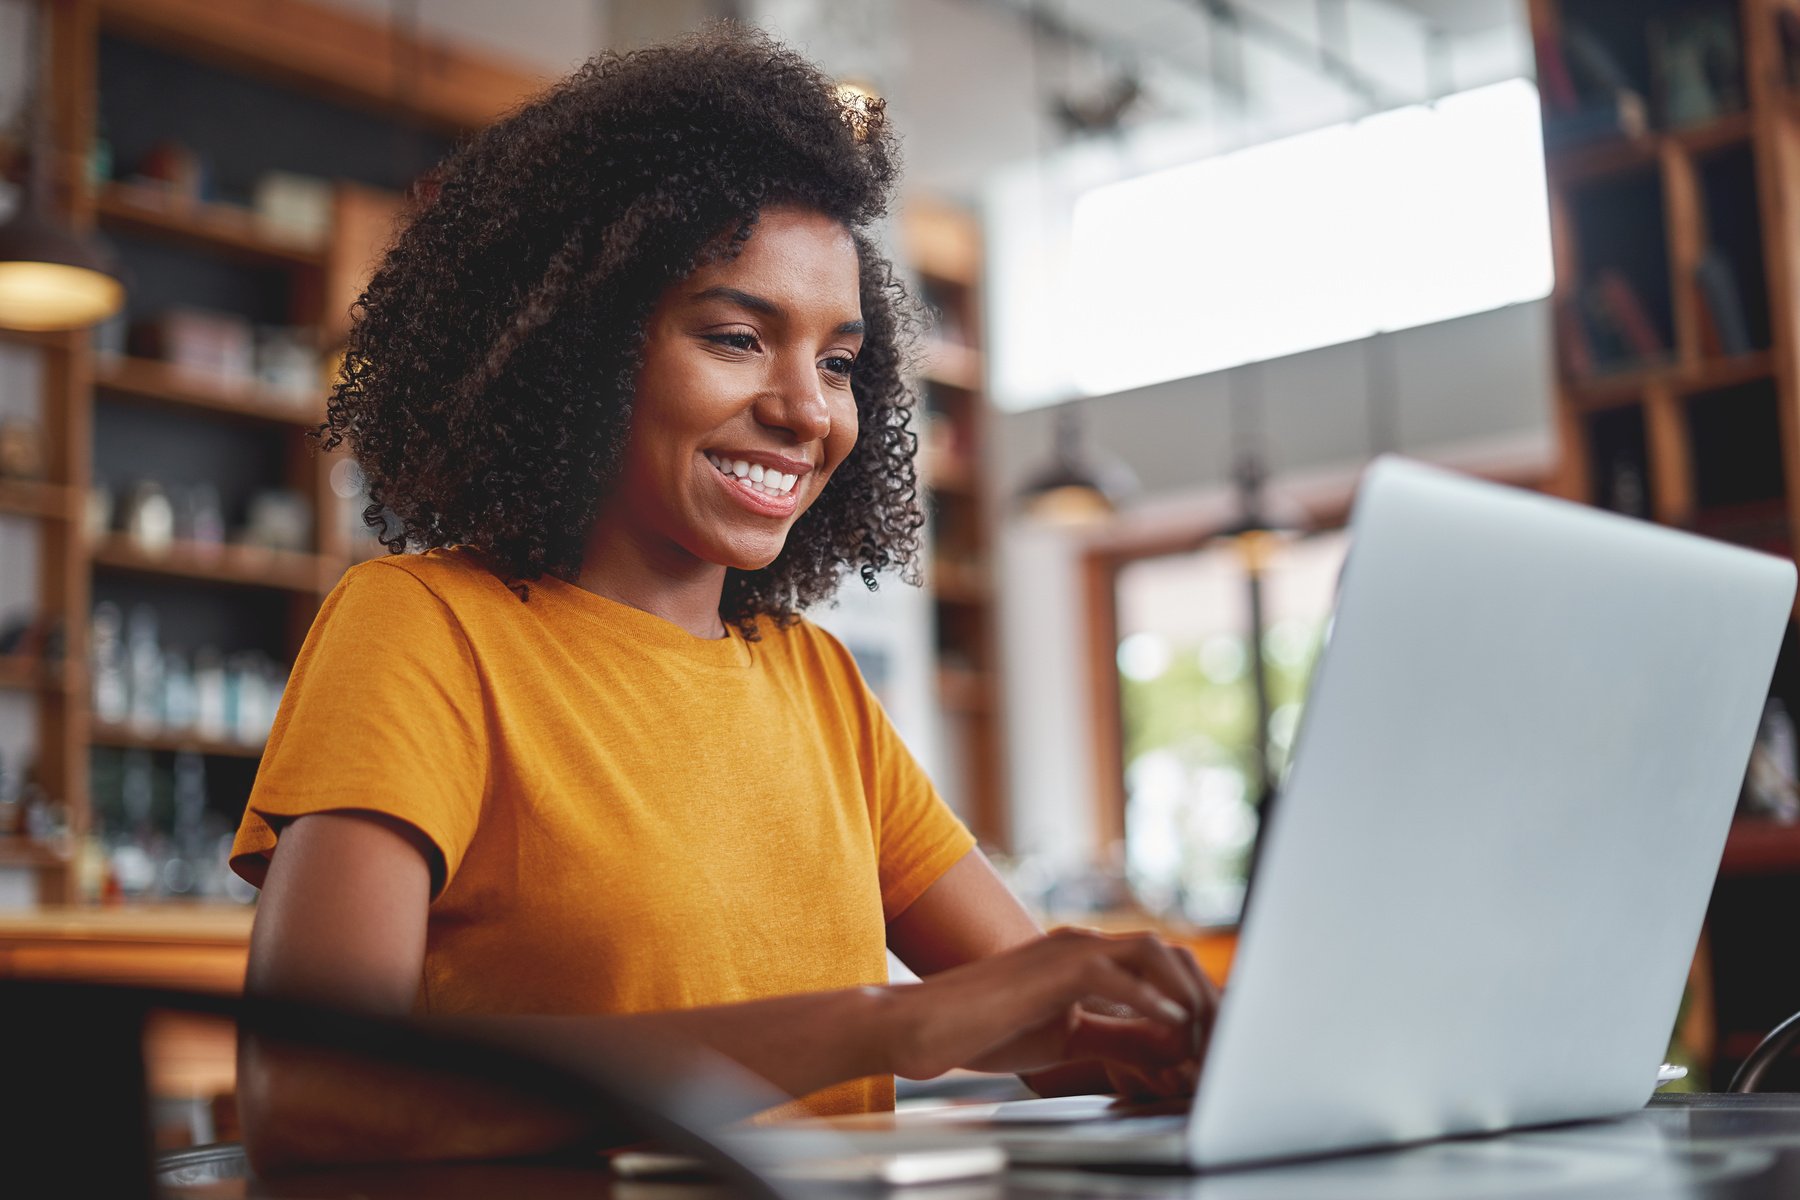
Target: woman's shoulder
(455, 576)
(811, 647)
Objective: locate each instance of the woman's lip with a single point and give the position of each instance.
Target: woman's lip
(756, 502)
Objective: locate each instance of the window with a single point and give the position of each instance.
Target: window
(1406, 218)
(1189, 711)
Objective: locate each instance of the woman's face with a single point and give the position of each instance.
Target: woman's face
(743, 407)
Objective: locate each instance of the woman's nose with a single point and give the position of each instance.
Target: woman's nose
(796, 401)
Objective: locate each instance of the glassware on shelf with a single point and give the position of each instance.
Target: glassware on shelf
(129, 855)
(12, 782)
(97, 516)
(184, 857)
(111, 698)
(278, 519)
(209, 694)
(145, 664)
(200, 519)
(150, 518)
(137, 792)
(180, 707)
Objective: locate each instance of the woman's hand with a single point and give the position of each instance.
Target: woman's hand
(1034, 1007)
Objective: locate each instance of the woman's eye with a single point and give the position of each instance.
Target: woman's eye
(839, 364)
(737, 341)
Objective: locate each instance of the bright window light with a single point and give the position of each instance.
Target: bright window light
(1406, 218)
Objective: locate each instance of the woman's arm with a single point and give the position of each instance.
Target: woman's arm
(342, 921)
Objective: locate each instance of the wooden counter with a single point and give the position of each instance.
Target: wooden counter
(203, 947)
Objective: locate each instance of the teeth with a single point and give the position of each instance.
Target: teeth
(754, 476)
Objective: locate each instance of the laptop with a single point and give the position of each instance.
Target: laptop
(1487, 870)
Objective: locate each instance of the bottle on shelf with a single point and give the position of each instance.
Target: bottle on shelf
(184, 860)
(209, 694)
(144, 657)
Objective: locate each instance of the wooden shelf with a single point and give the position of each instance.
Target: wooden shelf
(1708, 137)
(956, 583)
(1628, 387)
(949, 475)
(26, 673)
(19, 851)
(951, 364)
(125, 738)
(224, 229)
(28, 498)
(1761, 848)
(20, 674)
(175, 386)
(238, 565)
(1618, 156)
(101, 410)
(337, 54)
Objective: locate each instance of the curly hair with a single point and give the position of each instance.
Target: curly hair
(488, 378)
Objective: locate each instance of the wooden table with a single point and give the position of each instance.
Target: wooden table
(203, 947)
(1694, 1147)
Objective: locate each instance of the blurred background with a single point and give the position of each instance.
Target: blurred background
(1192, 264)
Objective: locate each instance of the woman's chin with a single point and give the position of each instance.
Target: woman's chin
(748, 558)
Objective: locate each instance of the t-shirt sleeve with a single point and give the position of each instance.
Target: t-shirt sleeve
(917, 836)
(383, 714)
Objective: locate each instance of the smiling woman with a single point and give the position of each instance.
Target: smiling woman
(632, 382)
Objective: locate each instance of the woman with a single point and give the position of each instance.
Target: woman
(633, 377)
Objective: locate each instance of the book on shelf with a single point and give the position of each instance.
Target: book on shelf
(1557, 88)
(1588, 95)
(1620, 332)
(1723, 329)
(1572, 340)
(1696, 64)
(1624, 484)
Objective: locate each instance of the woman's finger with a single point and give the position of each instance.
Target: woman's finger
(1114, 981)
(1209, 1010)
(1131, 1043)
(1161, 965)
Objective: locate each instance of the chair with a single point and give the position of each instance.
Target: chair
(1768, 1052)
(76, 1066)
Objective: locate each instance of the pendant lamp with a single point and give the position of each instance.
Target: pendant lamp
(1079, 486)
(51, 277)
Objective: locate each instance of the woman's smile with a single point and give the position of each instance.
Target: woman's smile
(761, 488)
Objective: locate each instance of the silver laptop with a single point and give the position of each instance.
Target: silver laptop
(1489, 864)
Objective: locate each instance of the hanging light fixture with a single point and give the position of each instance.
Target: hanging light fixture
(1079, 486)
(51, 277)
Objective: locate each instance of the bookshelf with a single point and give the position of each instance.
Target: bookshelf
(295, 86)
(1672, 132)
(943, 246)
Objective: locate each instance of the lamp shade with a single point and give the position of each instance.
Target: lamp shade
(1079, 486)
(51, 278)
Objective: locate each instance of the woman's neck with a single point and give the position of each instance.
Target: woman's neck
(662, 579)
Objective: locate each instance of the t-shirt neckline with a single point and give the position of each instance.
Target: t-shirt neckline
(649, 629)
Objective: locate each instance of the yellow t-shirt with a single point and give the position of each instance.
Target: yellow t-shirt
(631, 818)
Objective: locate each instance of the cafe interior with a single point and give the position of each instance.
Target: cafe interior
(1190, 266)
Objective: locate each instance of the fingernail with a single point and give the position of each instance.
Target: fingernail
(1172, 1012)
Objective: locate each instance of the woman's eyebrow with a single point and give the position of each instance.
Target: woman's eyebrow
(763, 305)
